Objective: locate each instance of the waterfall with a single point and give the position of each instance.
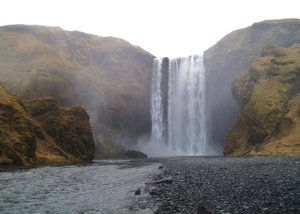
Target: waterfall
(178, 106)
(156, 104)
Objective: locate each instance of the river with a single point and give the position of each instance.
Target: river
(100, 187)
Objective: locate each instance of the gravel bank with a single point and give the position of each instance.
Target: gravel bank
(227, 185)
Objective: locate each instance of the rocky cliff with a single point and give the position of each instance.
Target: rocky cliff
(17, 138)
(108, 76)
(40, 132)
(232, 55)
(269, 98)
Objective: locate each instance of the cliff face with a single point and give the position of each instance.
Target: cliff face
(17, 138)
(269, 97)
(108, 76)
(232, 55)
(68, 127)
(41, 132)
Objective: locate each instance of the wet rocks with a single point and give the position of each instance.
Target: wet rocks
(167, 180)
(138, 191)
(135, 154)
(202, 210)
(227, 185)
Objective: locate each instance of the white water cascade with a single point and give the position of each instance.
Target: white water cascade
(178, 107)
(158, 128)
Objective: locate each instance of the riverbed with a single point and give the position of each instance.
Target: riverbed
(168, 185)
(228, 185)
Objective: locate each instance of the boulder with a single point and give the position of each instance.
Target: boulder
(167, 180)
(135, 154)
(138, 191)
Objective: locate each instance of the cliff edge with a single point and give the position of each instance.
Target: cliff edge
(233, 55)
(269, 99)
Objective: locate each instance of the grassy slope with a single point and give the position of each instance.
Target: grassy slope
(17, 139)
(108, 76)
(27, 136)
(269, 120)
(233, 55)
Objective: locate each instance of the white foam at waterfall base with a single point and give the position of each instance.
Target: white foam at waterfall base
(185, 132)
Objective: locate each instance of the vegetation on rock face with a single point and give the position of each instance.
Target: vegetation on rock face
(68, 126)
(233, 55)
(40, 132)
(108, 76)
(17, 139)
(269, 96)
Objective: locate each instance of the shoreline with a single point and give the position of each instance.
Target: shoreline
(227, 185)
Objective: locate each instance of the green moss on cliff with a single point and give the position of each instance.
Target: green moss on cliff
(41, 132)
(233, 55)
(108, 76)
(68, 127)
(268, 122)
(17, 139)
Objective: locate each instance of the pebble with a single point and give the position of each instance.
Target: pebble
(227, 185)
(138, 191)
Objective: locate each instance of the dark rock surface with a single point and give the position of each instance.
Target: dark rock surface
(135, 154)
(138, 191)
(228, 185)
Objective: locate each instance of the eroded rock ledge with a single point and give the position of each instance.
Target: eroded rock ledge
(39, 131)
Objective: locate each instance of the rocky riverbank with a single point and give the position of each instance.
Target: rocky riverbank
(227, 185)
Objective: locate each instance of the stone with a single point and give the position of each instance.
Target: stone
(135, 154)
(167, 180)
(138, 191)
(202, 210)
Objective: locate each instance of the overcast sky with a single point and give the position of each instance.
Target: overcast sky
(162, 27)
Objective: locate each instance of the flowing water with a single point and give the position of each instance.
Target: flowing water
(156, 103)
(183, 132)
(101, 187)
